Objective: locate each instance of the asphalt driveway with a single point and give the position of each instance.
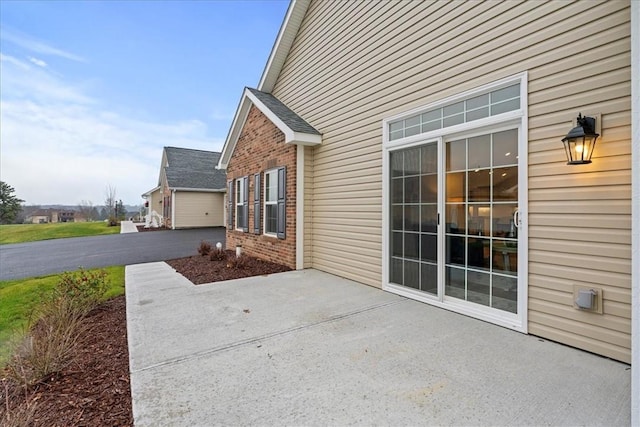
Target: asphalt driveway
(55, 256)
(310, 348)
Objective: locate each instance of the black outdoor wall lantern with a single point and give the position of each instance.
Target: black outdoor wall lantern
(580, 141)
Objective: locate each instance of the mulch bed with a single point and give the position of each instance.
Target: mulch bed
(201, 269)
(141, 228)
(95, 390)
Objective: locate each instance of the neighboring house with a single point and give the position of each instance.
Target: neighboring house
(416, 147)
(190, 190)
(43, 216)
(153, 200)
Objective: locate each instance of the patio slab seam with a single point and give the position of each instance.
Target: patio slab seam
(264, 337)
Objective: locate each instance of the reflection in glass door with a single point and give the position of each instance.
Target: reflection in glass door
(481, 207)
(414, 218)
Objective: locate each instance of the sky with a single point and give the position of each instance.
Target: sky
(91, 91)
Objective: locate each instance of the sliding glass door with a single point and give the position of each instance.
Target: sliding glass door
(454, 220)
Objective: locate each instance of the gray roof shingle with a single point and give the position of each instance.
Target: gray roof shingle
(291, 119)
(189, 168)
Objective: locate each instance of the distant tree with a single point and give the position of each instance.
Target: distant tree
(87, 210)
(94, 213)
(110, 203)
(121, 211)
(104, 213)
(9, 204)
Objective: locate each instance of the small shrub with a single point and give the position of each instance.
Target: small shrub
(237, 262)
(205, 248)
(218, 255)
(50, 342)
(49, 345)
(82, 289)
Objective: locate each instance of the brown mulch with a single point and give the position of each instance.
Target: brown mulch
(95, 390)
(201, 269)
(141, 228)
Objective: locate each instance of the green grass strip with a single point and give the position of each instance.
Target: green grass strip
(19, 233)
(20, 297)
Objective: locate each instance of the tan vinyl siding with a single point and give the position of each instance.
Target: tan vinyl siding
(154, 201)
(195, 209)
(308, 206)
(355, 63)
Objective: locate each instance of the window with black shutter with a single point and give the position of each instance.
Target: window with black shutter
(256, 203)
(282, 196)
(242, 203)
(230, 205)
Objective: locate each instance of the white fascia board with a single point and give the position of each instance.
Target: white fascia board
(300, 138)
(290, 136)
(284, 41)
(200, 190)
(148, 193)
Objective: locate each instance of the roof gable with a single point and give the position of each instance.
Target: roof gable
(284, 41)
(188, 169)
(295, 129)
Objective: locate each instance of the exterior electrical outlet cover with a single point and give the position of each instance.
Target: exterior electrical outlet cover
(585, 298)
(588, 299)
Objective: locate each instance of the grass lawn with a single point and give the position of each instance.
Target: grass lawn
(19, 297)
(18, 233)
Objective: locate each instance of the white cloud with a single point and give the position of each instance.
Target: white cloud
(38, 62)
(59, 145)
(21, 80)
(37, 46)
(220, 115)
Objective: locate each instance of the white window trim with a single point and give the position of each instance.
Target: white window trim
(512, 119)
(239, 201)
(265, 203)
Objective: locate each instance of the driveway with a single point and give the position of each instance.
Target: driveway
(310, 348)
(54, 256)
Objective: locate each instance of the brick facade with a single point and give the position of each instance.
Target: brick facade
(165, 194)
(260, 148)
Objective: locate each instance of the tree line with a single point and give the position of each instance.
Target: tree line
(13, 211)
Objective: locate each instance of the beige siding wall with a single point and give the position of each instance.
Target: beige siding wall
(154, 201)
(193, 209)
(355, 63)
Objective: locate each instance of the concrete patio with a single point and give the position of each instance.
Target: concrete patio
(309, 348)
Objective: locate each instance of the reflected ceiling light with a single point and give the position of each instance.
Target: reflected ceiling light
(580, 141)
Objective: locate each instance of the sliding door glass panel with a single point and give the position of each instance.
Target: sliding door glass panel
(481, 199)
(414, 218)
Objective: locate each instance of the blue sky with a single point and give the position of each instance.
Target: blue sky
(90, 91)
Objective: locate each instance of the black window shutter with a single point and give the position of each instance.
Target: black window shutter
(230, 205)
(282, 198)
(256, 203)
(245, 205)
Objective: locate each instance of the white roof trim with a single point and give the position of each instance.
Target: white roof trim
(148, 193)
(200, 190)
(284, 41)
(290, 136)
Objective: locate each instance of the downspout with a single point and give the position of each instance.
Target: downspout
(300, 207)
(173, 209)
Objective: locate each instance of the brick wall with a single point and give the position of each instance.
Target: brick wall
(165, 195)
(261, 147)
